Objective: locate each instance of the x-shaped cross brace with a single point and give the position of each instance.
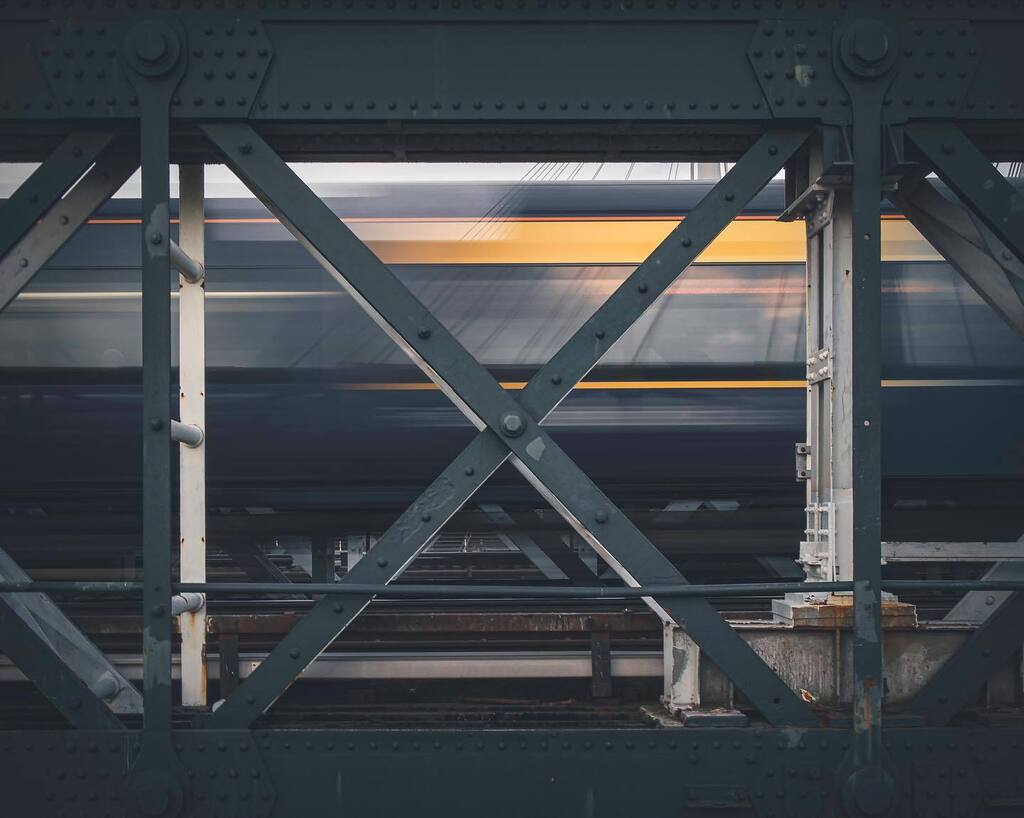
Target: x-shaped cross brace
(509, 426)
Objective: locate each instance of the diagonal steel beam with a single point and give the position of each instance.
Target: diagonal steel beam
(76, 650)
(981, 187)
(250, 558)
(956, 683)
(59, 660)
(34, 655)
(950, 229)
(480, 397)
(548, 553)
(47, 184)
(60, 223)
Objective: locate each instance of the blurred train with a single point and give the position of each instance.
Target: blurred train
(310, 407)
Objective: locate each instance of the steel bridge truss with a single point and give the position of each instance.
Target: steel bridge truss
(855, 100)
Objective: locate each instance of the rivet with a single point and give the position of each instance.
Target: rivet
(294, 653)
(382, 562)
(423, 333)
(156, 238)
(469, 471)
(601, 516)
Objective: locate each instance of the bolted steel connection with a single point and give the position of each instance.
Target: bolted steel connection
(513, 424)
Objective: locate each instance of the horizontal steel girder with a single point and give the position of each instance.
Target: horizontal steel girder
(601, 773)
(503, 77)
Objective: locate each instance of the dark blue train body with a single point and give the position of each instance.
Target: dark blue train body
(309, 405)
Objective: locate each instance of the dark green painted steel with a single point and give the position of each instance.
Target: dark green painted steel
(968, 246)
(36, 657)
(979, 185)
(59, 223)
(490, 79)
(47, 184)
(434, 76)
(598, 773)
(151, 52)
(485, 402)
(867, 53)
(157, 525)
(955, 685)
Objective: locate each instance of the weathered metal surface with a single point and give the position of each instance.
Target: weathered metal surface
(501, 419)
(192, 410)
(535, 78)
(759, 772)
(818, 665)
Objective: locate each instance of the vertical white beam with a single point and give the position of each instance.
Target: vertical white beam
(830, 373)
(192, 408)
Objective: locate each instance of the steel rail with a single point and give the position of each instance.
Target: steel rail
(512, 591)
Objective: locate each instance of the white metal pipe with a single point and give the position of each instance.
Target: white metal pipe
(190, 269)
(186, 433)
(188, 602)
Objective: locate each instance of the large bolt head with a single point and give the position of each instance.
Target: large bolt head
(871, 43)
(513, 424)
(156, 793)
(150, 42)
(152, 48)
(869, 792)
(868, 48)
(154, 800)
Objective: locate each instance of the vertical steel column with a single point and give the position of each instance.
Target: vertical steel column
(322, 559)
(228, 653)
(156, 392)
(866, 394)
(868, 50)
(192, 409)
(152, 51)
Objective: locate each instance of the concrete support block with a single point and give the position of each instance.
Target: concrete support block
(817, 663)
(836, 611)
(684, 683)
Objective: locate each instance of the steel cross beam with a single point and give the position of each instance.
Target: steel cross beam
(66, 650)
(48, 183)
(35, 656)
(950, 229)
(59, 223)
(956, 683)
(509, 428)
(975, 180)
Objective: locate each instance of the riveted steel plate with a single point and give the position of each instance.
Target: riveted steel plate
(793, 61)
(938, 772)
(85, 66)
(937, 64)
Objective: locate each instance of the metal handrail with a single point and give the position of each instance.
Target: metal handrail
(511, 591)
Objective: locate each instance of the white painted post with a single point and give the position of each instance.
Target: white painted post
(192, 409)
(681, 657)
